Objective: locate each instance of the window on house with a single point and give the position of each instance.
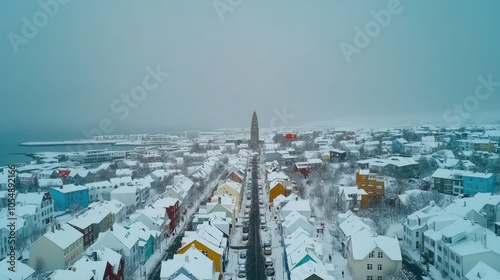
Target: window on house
(457, 259)
(379, 277)
(458, 273)
(416, 234)
(452, 269)
(379, 267)
(380, 255)
(439, 259)
(369, 277)
(372, 253)
(369, 266)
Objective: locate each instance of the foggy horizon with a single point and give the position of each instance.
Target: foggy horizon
(210, 69)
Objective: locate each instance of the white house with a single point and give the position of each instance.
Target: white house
(99, 190)
(300, 205)
(373, 257)
(192, 263)
(122, 241)
(43, 203)
(294, 221)
(118, 209)
(128, 195)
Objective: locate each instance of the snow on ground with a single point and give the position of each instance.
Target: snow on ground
(339, 262)
(395, 230)
(167, 242)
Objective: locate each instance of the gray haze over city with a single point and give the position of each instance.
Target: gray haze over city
(72, 69)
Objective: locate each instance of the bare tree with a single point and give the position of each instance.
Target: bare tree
(40, 266)
(415, 202)
(22, 243)
(129, 270)
(402, 274)
(74, 208)
(106, 196)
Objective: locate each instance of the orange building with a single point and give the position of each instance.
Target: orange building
(276, 188)
(373, 185)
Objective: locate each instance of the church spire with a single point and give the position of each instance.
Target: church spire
(254, 133)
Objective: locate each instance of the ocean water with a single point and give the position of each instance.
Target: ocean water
(12, 153)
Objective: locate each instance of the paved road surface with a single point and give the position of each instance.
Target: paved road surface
(255, 258)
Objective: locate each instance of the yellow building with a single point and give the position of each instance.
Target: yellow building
(230, 188)
(276, 188)
(210, 241)
(57, 249)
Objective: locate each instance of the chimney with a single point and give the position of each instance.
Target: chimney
(485, 239)
(465, 203)
(111, 228)
(52, 228)
(219, 199)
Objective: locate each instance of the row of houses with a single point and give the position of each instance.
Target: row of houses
(204, 249)
(105, 225)
(458, 239)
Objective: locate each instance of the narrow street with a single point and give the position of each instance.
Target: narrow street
(175, 245)
(255, 259)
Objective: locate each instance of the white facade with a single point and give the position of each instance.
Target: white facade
(128, 195)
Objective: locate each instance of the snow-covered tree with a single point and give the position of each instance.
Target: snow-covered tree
(402, 274)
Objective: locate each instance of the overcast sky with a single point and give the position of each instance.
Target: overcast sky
(260, 55)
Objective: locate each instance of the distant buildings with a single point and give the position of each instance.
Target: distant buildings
(403, 167)
(463, 182)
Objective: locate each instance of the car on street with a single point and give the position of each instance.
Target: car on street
(245, 236)
(270, 271)
(269, 261)
(243, 254)
(246, 228)
(268, 250)
(242, 273)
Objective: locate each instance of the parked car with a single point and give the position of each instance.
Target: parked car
(246, 228)
(270, 271)
(242, 273)
(269, 261)
(245, 236)
(268, 250)
(243, 254)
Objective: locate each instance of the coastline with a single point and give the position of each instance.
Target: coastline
(71, 142)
